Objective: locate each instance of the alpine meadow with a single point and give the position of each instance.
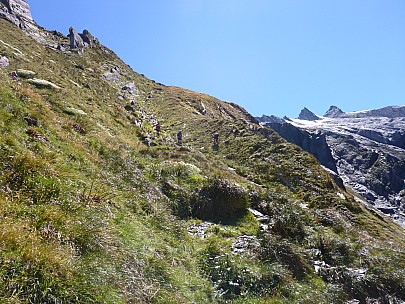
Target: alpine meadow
(97, 205)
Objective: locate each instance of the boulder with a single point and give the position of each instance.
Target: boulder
(113, 75)
(76, 40)
(25, 73)
(129, 88)
(44, 84)
(4, 62)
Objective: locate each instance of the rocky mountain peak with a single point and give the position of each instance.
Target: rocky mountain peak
(334, 112)
(306, 114)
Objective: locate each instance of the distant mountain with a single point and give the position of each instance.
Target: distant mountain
(306, 114)
(334, 112)
(366, 149)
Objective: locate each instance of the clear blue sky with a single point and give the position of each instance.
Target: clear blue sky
(269, 56)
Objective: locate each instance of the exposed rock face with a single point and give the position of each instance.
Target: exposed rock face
(307, 115)
(367, 149)
(76, 40)
(19, 13)
(88, 38)
(314, 143)
(390, 111)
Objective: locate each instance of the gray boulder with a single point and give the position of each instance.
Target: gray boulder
(4, 62)
(129, 88)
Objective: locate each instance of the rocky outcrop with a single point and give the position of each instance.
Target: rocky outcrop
(76, 40)
(390, 111)
(18, 12)
(88, 38)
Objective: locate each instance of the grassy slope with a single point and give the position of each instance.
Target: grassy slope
(89, 213)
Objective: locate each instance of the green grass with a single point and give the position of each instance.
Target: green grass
(90, 214)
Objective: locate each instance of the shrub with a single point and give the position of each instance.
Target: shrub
(290, 220)
(220, 199)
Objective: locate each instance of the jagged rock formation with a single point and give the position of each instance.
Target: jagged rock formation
(16, 11)
(390, 112)
(334, 112)
(306, 114)
(366, 148)
(75, 40)
(80, 40)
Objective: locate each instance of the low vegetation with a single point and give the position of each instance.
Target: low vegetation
(96, 207)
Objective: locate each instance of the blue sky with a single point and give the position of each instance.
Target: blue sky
(269, 56)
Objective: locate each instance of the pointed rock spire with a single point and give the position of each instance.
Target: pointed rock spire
(75, 40)
(306, 114)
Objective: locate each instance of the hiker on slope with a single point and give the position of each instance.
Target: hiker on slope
(180, 138)
(216, 138)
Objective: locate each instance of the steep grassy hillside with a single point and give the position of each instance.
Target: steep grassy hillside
(96, 207)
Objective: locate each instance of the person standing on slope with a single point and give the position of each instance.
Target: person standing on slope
(157, 129)
(180, 138)
(216, 138)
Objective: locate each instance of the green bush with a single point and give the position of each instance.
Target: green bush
(289, 219)
(220, 199)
